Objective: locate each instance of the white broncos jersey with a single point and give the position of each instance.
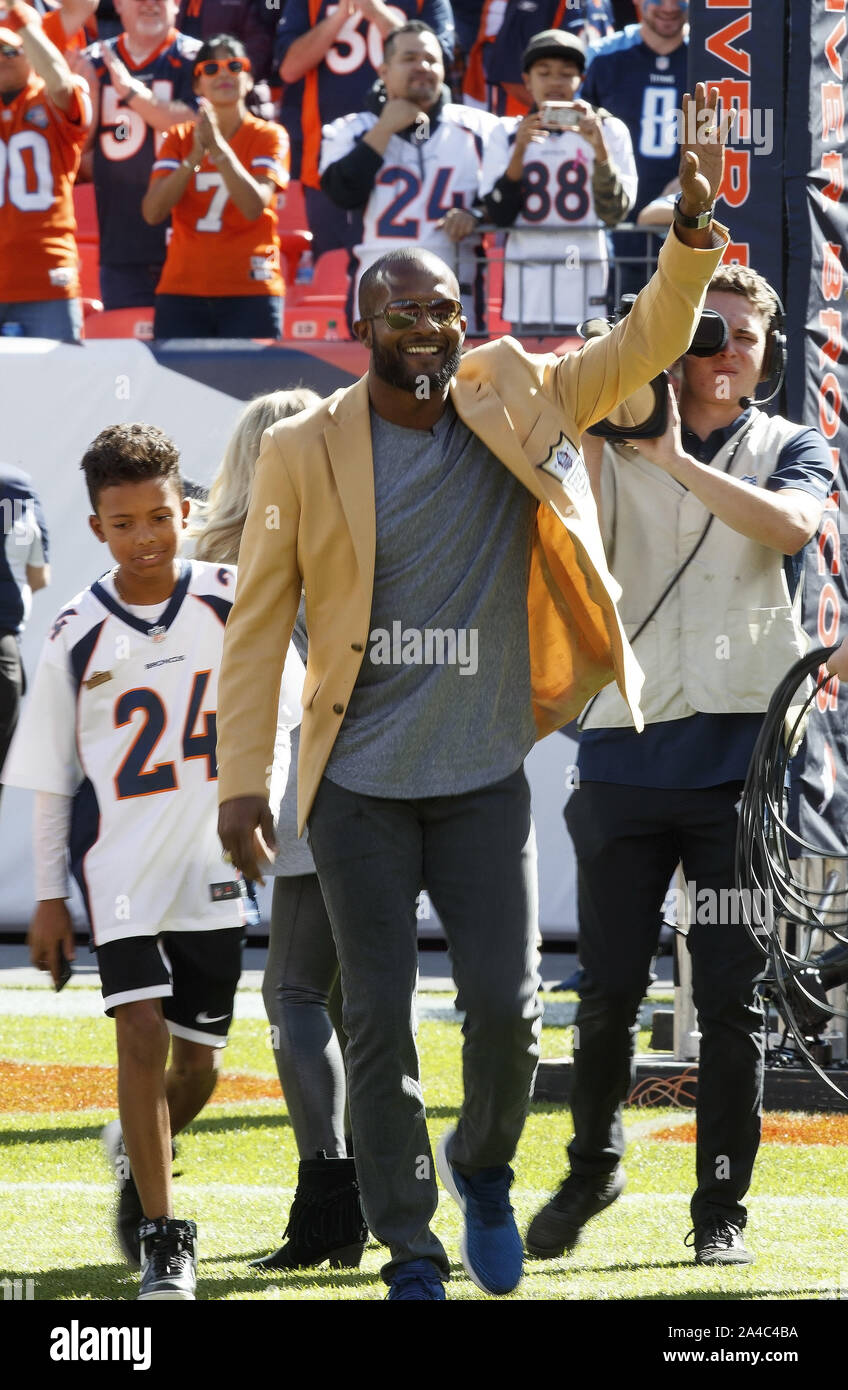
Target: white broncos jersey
(558, 273)
(419, 181)
(122, 717)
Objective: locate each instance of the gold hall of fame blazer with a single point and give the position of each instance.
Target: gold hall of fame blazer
(312, 523)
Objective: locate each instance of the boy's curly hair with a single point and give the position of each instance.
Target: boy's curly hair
(130, 454)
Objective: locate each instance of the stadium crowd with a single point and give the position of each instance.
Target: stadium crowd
(385, 123)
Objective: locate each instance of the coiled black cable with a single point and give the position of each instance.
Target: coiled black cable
(771, 895)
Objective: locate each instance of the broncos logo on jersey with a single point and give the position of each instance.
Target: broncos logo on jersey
(61, 621)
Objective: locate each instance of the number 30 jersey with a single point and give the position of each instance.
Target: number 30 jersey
(557, 272)
(39, 157)
(122, 717)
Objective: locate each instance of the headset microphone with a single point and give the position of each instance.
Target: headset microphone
(774, 360)
(747, 401)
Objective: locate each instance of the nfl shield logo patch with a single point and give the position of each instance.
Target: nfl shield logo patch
(565, 463)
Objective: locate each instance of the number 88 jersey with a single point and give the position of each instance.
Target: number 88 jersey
(122, 717)
(567, 275)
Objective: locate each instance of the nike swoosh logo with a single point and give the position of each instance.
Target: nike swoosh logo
(204, 1017)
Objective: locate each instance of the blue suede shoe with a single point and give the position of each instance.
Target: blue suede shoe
(418, 1279)
(491, 1246)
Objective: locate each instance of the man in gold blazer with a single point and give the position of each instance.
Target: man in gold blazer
(458, 605)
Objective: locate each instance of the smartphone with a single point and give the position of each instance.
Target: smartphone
(560, 115)
(64, 974)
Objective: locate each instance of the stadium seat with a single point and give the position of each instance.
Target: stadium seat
(310, 321)
(292, 246)
(120, 323)
(494, 286)
(291, 213)
(330, 279)
(89, 258)
(85, 212)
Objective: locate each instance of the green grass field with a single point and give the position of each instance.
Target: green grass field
(237, 1167)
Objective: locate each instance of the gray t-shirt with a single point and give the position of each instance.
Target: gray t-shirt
(442, 704)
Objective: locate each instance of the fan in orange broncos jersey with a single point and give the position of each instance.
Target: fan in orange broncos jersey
(44, 116)
(141, 85)
(219, 177)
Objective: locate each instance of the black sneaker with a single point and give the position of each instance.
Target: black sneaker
(557, 1227)
(130, 1212)
(718, 1241)
(168, 1259)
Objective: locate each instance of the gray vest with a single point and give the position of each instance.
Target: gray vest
(727, 632)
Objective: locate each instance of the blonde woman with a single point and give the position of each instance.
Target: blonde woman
(301, 973)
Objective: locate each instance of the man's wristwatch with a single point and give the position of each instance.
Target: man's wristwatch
(694, 224)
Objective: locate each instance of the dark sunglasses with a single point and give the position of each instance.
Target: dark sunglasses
(8, 50)
(213, 66)
(405, 313)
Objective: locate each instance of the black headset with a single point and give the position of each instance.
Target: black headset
(775, 355)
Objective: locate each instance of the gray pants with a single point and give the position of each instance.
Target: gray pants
(476, 854)
(300, 989)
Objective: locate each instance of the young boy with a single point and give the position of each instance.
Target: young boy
(118, 742)
(562, 183)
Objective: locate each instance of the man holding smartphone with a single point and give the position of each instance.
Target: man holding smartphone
(567, 171)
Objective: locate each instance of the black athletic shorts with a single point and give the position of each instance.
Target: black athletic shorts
(194, 973)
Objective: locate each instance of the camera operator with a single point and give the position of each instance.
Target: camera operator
(705, 529)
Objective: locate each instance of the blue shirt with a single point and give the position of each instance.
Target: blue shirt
(644, 89)
(705, 750)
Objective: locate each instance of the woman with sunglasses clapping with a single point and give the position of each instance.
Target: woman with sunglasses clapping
(218, 178)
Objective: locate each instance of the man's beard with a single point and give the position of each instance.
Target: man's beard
(391, 368)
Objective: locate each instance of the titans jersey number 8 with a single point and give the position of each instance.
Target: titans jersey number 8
(123, 718)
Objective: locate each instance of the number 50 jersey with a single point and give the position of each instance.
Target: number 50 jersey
(122, 717)
(125, 144)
